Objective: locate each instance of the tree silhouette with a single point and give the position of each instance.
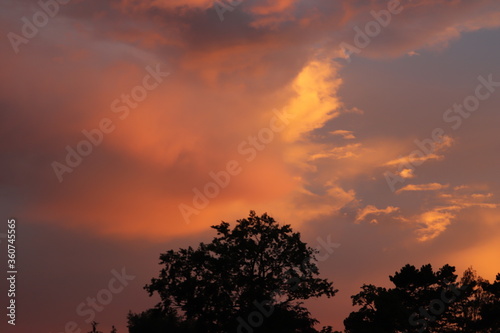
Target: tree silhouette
(156, 320)
(94, 327)
(427, 301)
(250, 278)
(490, 308)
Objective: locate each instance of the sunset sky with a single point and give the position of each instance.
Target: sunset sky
(128, 128)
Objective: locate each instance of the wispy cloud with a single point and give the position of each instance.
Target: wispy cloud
(348, 135)
(372, 210)
(418, 157)
(423, 187)
(431, 223)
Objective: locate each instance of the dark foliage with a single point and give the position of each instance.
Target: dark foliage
(426, 301)
(250, 278)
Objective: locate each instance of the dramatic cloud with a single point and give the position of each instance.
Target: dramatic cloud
(150, 121)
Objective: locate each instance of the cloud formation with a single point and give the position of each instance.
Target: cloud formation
(226, 78)
(260, 110)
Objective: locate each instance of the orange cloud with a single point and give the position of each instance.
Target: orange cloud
(423, 187)
(433, 223)
(372, 210)
(225, 82)
(348, 135)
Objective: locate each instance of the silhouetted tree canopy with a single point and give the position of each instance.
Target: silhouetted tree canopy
(427, 301)
(250, 278)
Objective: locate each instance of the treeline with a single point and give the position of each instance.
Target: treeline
(426, 301)
(254, 277)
